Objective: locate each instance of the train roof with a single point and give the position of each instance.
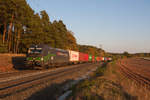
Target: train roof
(46, 46)
(40, 46)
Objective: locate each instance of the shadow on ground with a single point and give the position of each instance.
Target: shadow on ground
(19, 63)
(51, 92)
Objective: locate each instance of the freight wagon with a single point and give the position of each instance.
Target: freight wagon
(83, 57)
(93, 59)
(90, 58)
(45, 56)
(98, 59)
(73, 57)
(102, 59)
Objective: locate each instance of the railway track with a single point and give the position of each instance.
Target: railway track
(133, 75)
(16, 73)
(16, 85)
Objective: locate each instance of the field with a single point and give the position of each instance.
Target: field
(109, 83)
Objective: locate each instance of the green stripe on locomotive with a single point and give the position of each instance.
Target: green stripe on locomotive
(29, 58)
(43, 58)
(33, 58)
(48, 57)
(95, 58)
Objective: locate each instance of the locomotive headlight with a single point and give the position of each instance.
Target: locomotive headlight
(42, 58)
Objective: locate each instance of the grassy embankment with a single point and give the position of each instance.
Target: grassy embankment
(108, 84)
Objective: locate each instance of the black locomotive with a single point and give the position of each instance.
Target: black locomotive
(46, 56)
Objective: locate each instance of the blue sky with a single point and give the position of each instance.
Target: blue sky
(117, 25)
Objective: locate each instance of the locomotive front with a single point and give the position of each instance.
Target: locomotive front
(34, 56)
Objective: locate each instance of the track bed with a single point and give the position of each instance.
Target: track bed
(26, 85)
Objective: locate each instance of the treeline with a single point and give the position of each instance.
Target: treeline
(141, 55)
(20, 27)
(125, 54)
(91, 50)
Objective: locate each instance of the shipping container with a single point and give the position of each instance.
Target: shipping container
(110, 59)
(83, 57)
(105, 58)
(90, 57)
(73, 56)
(101, 58)
(93, 58)
(98, 59)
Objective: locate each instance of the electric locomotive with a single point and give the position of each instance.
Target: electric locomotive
(45, 56)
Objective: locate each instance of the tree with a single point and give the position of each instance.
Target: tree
(91, 50)
(71, 41)
(20, 27)
(126, 54)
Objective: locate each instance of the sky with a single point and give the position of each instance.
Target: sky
(114, 25)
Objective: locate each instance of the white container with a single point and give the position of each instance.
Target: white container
(103, 58)
(73, 56)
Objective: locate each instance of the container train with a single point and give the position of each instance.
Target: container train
(45, 56)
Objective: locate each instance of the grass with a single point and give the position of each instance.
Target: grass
(100, 71)
(108, 84)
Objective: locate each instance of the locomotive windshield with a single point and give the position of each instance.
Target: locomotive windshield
(34, 50)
